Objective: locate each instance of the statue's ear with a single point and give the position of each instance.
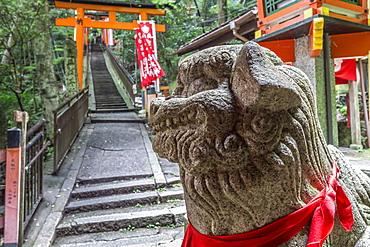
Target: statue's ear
(258, 80)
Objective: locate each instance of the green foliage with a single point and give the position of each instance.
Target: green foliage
(58, 60)
(129, 228)
(19, 89)
(161, 189)
(156, 225)
(177, 185)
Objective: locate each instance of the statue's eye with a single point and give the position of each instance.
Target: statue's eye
(262, 123)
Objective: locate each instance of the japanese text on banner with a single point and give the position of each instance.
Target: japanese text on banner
(150, 70)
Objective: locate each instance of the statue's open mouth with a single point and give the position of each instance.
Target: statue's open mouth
(185, 116)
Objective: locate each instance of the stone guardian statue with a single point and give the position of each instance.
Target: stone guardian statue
(243, 128)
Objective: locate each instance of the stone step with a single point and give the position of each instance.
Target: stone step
(112, 120)
(110, 101)
(171, 213)
(111, 98)
(111, 105)
(144, 237)
(77, 205)
(107, 91)
(112, 188)
(116, 105)
(82, 180)
(105, 110)
(104, 100)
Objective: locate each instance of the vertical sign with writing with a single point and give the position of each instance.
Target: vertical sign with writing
(150, 70)
(13, 159)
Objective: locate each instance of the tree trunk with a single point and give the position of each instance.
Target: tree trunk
(7, 55)
(222, 12)
(70, 56)
(45, 73)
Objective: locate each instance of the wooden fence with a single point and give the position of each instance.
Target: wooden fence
(34, 170)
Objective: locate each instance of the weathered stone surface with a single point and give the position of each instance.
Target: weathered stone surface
(70, 61)
(244, 130)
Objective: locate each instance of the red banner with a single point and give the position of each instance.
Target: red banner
(345, 70)
(150, 70)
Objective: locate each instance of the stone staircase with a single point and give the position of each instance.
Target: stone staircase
(123, 195)
(107, 97)
(118, 208)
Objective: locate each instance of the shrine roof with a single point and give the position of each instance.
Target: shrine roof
(114, 3)
(332, 26)
(247, 23)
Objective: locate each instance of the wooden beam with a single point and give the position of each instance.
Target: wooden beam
(346, 18)
(105, 8)
(87, 22)
(68, 22)
(350, 45)
(283, 48)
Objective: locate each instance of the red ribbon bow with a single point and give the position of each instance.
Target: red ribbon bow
(321, 209)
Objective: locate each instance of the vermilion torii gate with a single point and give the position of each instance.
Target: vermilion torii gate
(81, 22)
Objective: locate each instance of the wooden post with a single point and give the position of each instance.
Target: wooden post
(86, 36)
(106, 37)
(143, 16)
(363, 94)
(24, 119)
(354, 114)
(80, 45)
(12, 188)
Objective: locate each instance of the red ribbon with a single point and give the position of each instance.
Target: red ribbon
(321, 209)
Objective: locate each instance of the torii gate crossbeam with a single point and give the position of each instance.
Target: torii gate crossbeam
(81, 21)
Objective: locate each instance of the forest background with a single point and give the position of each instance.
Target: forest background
(32, 50)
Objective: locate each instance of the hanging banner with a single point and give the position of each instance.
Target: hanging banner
(345, 70)
(149, 67)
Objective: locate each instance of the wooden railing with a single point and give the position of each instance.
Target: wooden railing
(34, 170)
(123, 74)
(68, 120)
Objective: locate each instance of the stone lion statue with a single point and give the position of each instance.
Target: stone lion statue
(243, 128)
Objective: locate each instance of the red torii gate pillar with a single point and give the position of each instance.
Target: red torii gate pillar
(80, 22)
(80, 45)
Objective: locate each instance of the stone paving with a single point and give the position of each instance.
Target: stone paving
(105, 152)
